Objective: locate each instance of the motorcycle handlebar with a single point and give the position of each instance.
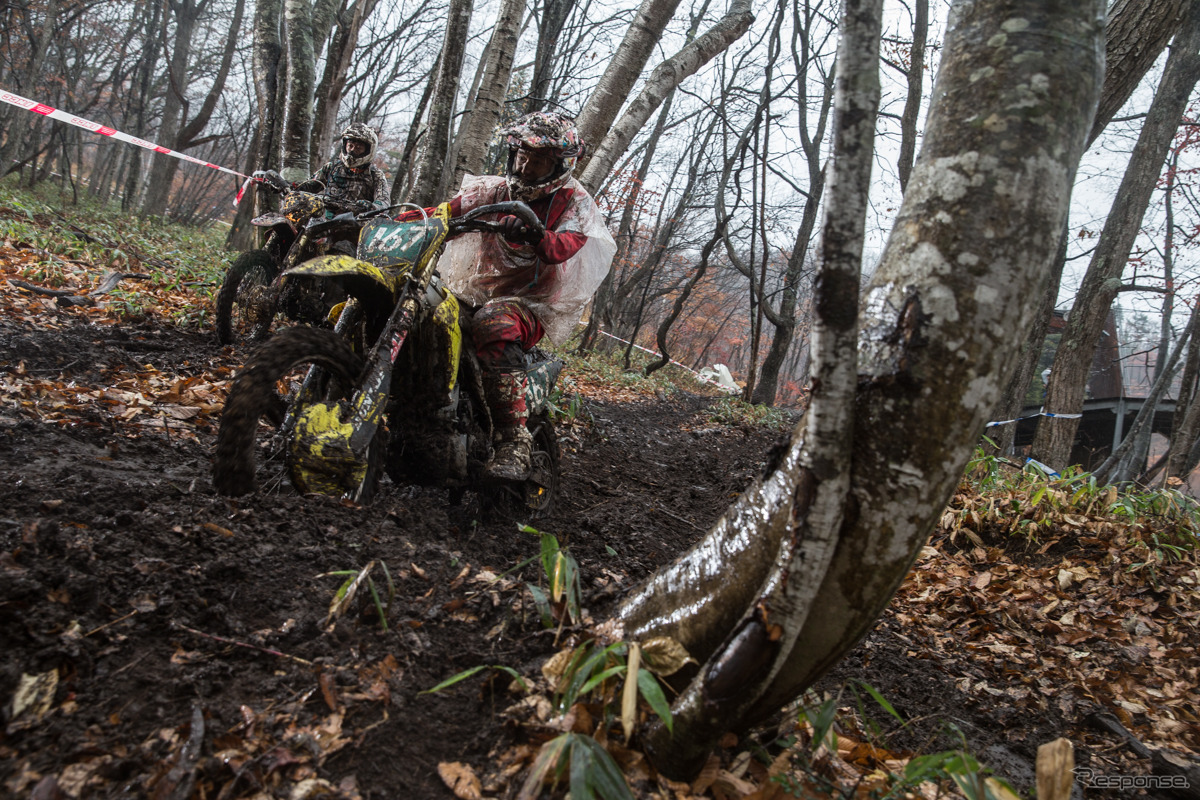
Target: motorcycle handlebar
(511, 208)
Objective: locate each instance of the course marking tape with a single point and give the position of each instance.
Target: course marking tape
(1034, 416)
(103, 130)
(699, 377)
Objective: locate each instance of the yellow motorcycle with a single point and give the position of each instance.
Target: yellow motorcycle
(254, 290)
(395, 387)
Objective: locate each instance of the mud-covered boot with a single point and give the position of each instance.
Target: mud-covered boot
(506, 396)
(511, 461)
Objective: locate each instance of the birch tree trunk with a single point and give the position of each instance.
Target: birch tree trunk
(662, 81)
(622, 72)
(489, 102)
(333, 81)
(966, 261)
(424, 191)
(301, 78)
(1072, 362)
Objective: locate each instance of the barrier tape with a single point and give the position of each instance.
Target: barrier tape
(104, 130)
(1034, 416)
(699, 377)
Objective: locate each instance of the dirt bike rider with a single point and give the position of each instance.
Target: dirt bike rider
(527, 285)
(350, 176)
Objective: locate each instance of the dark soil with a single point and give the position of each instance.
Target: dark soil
(118, 562)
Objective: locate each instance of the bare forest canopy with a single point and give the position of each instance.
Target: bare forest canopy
(712, 121)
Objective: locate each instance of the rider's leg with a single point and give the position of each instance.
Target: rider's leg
(502, 332)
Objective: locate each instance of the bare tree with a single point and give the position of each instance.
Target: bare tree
(177, 131)
(429, 178)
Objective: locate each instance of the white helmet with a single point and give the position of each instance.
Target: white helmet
(359, 132)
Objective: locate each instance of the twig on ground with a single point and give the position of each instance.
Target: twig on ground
(236, 643)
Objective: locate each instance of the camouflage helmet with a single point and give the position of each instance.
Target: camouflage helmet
(359, 132)
(542, 130)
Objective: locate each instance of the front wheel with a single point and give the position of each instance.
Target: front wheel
(245, 301)
(255, 394)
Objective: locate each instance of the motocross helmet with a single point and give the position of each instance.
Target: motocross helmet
(537, 131)
(359, 132)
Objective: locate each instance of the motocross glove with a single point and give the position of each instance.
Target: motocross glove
(514, 229)
(361, 206)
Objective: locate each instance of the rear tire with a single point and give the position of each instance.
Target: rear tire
(534, 497)
(253, 396)
(245, 297)
(541, 488)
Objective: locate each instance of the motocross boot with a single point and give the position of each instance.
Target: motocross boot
(511, 460)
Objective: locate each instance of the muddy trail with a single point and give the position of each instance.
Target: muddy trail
(169, 642)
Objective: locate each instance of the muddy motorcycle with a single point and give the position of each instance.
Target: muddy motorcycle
(394, 387)
(254, 290)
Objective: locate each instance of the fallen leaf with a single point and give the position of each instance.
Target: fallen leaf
(210, 526)
(461, 780)
(35, 693)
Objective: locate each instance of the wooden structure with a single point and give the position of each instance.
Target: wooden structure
(1117, 387)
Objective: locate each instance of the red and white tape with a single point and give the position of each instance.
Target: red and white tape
(103, 130)
(699, 377)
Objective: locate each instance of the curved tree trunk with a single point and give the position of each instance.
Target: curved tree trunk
(934, 350)
(622, 72)
(1072, 362)
(662, 81)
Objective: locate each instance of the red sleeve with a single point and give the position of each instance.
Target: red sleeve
(556, 248)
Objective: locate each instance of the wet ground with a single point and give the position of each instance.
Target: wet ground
(164, 641)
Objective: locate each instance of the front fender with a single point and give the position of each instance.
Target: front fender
(271, 219)
(342, 266)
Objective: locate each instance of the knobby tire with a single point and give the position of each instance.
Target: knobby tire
(253, 395)
(255, 268)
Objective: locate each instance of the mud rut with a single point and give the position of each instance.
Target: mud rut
(116, 554)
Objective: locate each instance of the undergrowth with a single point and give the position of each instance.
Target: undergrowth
(999, 497)
(607, 368)
(68, 243)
